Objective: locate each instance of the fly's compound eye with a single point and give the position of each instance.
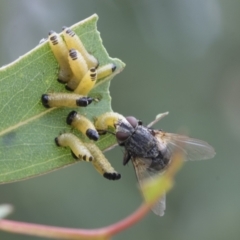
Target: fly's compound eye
(83, 125)
(77, 147)
(133, 121)
(122, 136)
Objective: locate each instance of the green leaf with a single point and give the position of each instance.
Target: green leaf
(27, 129)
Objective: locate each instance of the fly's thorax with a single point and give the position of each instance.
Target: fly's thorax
(138, 140)
(142, 143)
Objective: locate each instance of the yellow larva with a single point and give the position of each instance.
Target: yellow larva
(109, 119)
(78, 69)
(74, 42)
(60, 52)
(101, 164)
(105, 70)
(79, 150)
(84, 79)
(78, 66)
(92, 75)
(87, 83)
(65, 100)
(83, 125)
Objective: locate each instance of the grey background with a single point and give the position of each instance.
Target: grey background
(183, 57)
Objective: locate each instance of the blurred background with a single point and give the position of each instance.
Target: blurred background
(182, 56)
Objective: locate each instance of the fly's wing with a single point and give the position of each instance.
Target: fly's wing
(144, 171)
(160, 206)
(193, 149)
(169, 143)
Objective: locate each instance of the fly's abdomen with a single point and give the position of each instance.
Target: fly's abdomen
(160, 162)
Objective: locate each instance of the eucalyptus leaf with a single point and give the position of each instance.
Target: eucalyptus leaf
(27, 129)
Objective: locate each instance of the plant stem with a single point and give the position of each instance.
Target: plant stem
(71, 233)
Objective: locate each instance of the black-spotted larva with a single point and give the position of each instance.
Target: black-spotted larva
(60, 52)
(88, 82)
(79, 150)
(78, 69)
(78, 66)
(50, 100)
(106, 120)
(74, 42)
(105, 70)
(83, 125)
(101, 164)
(88, 152)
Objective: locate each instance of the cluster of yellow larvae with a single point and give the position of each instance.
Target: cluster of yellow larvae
(79, 71)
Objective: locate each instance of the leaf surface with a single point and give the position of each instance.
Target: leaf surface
(27, 129)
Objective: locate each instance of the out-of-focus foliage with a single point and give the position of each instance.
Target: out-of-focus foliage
(182, 57)
(5, 210)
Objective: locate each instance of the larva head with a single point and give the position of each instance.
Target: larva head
(71, 116)
(124, 129)
(45, 100)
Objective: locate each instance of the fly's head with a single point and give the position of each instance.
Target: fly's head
(125, 128)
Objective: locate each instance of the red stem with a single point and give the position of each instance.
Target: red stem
(71, 233)
(99, 233)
